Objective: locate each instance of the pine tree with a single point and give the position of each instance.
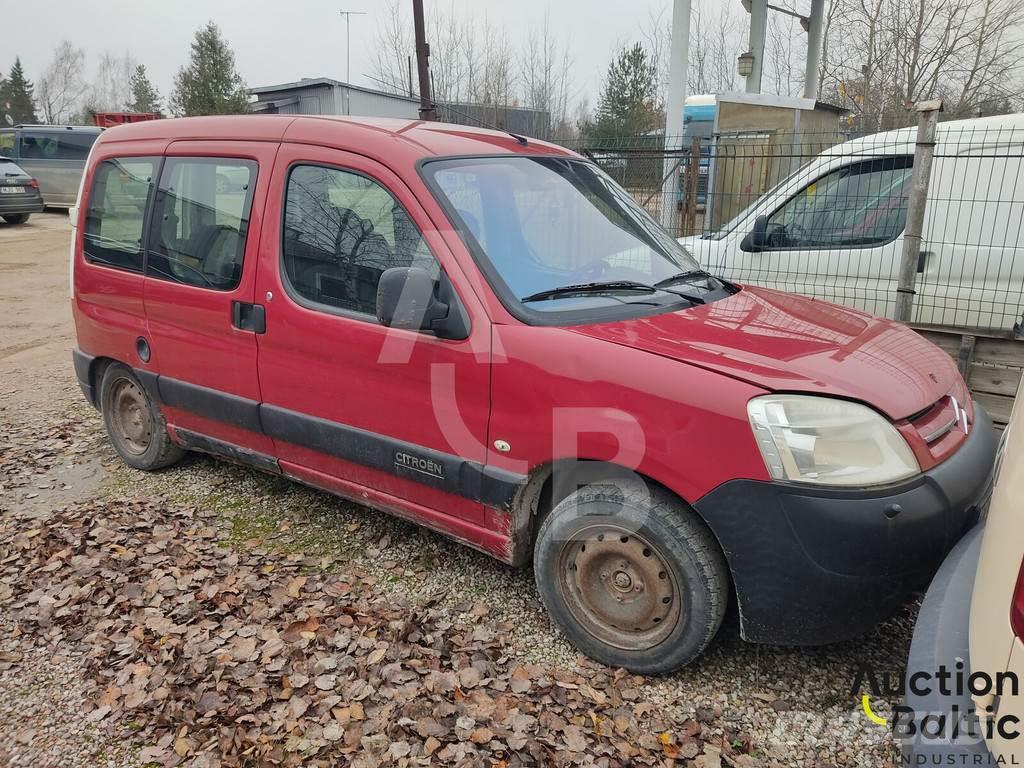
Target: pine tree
(144, 95)
(16, 99)
(628, 104)
(209, 85)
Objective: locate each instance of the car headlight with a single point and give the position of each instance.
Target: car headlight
(821, 440)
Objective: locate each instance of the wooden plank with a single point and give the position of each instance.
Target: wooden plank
(966, 354)
(998, 406)
(999, 351)
(947, 330)
(994, 381)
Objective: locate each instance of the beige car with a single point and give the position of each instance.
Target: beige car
(971, 626)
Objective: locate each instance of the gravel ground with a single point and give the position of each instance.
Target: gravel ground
(792, 704)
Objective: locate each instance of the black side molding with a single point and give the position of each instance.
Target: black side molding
(209, 403)
(453, 474)
(193, 441)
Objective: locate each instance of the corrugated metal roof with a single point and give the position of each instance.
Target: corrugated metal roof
(326, 82)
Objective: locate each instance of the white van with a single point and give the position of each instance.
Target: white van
(834, 228)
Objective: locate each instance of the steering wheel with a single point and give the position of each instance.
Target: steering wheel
(791, 234)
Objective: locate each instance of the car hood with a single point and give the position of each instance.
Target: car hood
(787, 343)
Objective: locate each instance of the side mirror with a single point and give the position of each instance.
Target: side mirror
(410, 298)
(757, 238)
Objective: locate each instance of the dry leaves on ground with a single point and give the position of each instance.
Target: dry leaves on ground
(221, 657)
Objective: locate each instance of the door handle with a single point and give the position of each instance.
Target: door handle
(248, 317)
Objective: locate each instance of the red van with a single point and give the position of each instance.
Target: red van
(485, 334)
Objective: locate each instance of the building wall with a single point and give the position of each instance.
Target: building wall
(315, 100)
(365, 104)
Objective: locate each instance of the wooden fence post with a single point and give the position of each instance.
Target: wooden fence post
(928, 117)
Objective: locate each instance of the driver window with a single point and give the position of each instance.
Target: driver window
(859, 205)
(342, 230)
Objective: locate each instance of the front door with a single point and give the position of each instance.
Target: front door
(392, 416)
(839, 238)
(200, 271)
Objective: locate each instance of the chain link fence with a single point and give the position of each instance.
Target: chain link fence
(825, 215)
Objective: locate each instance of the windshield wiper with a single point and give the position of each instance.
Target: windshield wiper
(682, 277)
(604, 287)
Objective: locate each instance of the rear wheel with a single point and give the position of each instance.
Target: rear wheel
(16, 218)
(134, 424)
(631, 576)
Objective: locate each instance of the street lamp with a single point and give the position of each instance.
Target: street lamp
(745, 64)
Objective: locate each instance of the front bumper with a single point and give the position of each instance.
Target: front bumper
(814, 566)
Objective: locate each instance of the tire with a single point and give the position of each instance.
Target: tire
(134, 424)
(652, 617)
(16, 218)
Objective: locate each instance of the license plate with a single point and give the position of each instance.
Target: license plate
(11, 190)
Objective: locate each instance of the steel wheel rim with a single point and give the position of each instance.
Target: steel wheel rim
(131, 417)
(618, 587)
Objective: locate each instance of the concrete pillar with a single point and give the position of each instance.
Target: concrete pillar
(815, 36)
(758, 32)
(674, 103)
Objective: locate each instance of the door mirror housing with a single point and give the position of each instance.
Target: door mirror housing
(757, 238)
(411, 298)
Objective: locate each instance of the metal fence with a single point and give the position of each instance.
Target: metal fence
(825, 215)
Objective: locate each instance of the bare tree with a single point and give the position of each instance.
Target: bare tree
(545, 64)
(111, 86)
(785, 54)
(656, 35)
(995, 57)
(394, 45)
(883, 55)
(60, 88)
(717, 37)
(448, 35)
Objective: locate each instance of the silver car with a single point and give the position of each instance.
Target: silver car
(53, 154)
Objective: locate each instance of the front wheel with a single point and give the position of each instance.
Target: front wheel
(631, 576)
(134, 424)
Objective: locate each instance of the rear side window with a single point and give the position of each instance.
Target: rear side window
(341, 231)
(200, 221)
(116, 215)
(57, 146)
(6, 143)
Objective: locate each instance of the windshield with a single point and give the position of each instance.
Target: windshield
(543, 223)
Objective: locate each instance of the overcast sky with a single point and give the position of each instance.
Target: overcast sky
(276, 42)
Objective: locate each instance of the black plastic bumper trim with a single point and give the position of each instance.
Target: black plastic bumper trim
(820, 565)
(83, 372)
